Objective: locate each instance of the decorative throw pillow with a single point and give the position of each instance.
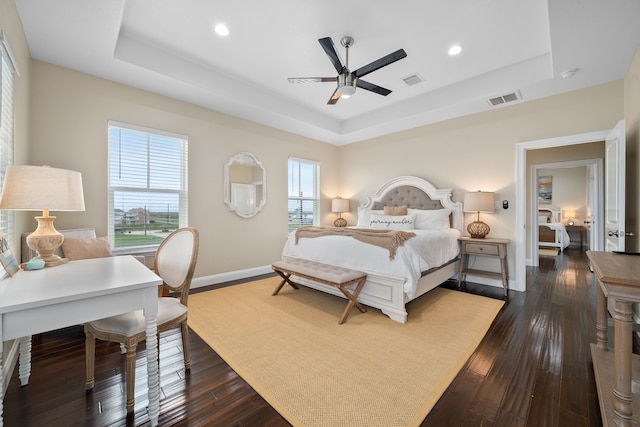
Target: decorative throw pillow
(395, 210)
(364, 216)
(76, 249)
(393, 222)
(436, 219)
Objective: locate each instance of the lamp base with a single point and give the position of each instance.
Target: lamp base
(45, 240)
(340, 222)
(478, 229)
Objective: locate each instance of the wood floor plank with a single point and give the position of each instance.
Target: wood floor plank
(533, 368)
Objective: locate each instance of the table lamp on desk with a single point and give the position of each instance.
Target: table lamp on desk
(35, 188)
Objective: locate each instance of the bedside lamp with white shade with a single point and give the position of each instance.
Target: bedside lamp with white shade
(479, 201)
(338, 206)
(35, 188)
(570, 215)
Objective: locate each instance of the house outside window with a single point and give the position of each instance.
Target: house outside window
(147, 186)
(304, 193)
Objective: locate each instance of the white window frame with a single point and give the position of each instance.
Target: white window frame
(300, 199)
(8, 71)
(182, 192)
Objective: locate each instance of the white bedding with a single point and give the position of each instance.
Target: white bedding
(429, 249)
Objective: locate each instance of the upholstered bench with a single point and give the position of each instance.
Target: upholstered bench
(331, 275)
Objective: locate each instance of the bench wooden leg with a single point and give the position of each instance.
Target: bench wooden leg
(285, 279)
(353, 300)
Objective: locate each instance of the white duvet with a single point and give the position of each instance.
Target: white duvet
(429, 249)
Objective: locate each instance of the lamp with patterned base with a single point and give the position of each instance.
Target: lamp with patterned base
(338, 206)
(479, 201)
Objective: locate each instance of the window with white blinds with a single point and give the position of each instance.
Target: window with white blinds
(147, 185)
(304, 193)
(6, 133)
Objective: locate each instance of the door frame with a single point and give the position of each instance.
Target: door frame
(595, 170)
(521, 191)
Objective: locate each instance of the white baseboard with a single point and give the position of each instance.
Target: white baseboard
(229, 276)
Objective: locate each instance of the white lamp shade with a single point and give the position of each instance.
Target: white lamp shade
(340, 205)
(479, 201)
(40, 188)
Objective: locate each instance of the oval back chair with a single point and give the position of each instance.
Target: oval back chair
(175, 263)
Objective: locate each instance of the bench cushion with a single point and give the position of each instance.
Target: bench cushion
(329, 273)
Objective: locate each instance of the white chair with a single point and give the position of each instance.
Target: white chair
(175, 262)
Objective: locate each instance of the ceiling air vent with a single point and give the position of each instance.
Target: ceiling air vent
(504, 99)
(413, 79)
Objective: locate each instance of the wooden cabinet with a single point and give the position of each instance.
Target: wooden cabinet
(484, 247)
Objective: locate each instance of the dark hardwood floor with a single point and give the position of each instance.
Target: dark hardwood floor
(533, 368)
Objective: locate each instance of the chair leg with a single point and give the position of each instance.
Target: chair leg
(131, 374)
(185, 345)
(90, 357)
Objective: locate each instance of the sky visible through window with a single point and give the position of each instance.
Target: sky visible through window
(140, 162)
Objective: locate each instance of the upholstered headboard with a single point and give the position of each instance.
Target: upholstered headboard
(416, 193)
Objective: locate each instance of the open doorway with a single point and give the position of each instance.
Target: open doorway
(565, 198)
(524, 222)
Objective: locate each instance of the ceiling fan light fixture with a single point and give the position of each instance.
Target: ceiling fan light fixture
(346, 84)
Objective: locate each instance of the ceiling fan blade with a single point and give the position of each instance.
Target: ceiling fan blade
(332, 53)
(312, 79)
(384, 61)
(334, 98)
(373, 88)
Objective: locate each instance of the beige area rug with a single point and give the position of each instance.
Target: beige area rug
(548, 252)
(369, 371)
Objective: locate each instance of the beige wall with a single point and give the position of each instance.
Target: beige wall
(569, 191)
(632, 121)
(70, 112)
(477, 152)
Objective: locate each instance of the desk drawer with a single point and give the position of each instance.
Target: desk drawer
(481, 248)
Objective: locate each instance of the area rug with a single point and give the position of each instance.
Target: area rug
(548, 252)
(369, 371)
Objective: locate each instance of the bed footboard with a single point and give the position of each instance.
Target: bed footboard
(387, 292)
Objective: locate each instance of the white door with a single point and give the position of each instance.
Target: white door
(614, 189)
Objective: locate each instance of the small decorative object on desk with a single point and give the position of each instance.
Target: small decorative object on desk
(7, 259)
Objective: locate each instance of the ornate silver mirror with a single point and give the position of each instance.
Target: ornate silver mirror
(245, 185)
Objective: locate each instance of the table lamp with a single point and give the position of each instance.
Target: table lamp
(570, 215)
(34, 188)
(479, 201)
(338, 206)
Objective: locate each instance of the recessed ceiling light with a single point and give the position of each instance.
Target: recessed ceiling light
(569, 73)
(221, 30)
(455, 49)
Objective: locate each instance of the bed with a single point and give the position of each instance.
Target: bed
(551, 231)
(422, 263)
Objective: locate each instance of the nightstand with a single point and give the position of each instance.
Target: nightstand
(484, 247)
(580, 230)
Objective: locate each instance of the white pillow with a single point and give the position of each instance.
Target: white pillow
(436, 219)
(364, 216)
(393, 222)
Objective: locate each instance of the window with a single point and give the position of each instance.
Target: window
(6, 131)
(147, 185)
(304, 193)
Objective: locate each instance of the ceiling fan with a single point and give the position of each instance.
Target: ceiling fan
(347, 80)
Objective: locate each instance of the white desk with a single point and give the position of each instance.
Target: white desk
(37, 301)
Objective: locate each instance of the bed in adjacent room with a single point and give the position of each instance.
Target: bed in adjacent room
(401, 273)
(551, 230)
